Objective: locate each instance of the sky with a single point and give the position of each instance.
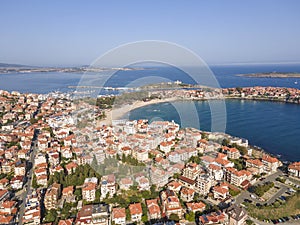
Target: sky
(220, 32)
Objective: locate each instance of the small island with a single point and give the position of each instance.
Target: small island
(271, 75)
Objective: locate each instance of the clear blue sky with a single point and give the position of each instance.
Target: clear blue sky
(61, 32)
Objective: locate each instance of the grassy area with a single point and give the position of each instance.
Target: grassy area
(260, 189)
(277, 209)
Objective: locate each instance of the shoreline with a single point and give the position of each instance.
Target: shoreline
(121, 112)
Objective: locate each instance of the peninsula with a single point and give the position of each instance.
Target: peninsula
(271, 75)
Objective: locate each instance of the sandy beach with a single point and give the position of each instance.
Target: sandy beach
(119, 112)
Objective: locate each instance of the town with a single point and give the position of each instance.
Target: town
(60, 165)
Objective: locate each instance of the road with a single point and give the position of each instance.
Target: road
(29, 179)
(246, 195)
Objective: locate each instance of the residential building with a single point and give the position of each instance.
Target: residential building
(136, 212)
(237, 215)
(203, 184)
(97, 214)
(294, 169)
(108, 186)
(119, 216)
(52, 195)
(153, 209)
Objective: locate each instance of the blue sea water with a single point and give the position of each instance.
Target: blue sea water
(273, 126)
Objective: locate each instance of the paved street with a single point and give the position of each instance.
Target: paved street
(246, 195)
(29, 181)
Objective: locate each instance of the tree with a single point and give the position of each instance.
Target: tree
(225, 142)
(174, 217)
(190, 216)
(34, 182)
(51, 216)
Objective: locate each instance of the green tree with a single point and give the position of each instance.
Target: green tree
(51, 216)
(174, 217)
(190, 216)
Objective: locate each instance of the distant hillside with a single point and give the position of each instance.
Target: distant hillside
(15, 65)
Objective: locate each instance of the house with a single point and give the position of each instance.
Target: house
(213, 218)
(136, 212)
(32, 216)
(232, 153)
(20, 169)
(52, 195)
(294, 169)
(195, 206)
(237, 215)
(66, 222)
(4, 220)
(215, 171)
(71, 167)
(42, 180)
(170, 203)
(125, 183)
(4, 183)
(174, 186)
(158, 176)
(221, 192)
(153, 209)
(235, 177)
(143, 183)
(142, 155)
(67, 194)
(166, 146)
(187, 194)
(17, 182)
(108, 185)
(191, 171)
(256, 164)
(271, 163)
(8, 207)
(89, 189)
(119, 216)
(97, 214)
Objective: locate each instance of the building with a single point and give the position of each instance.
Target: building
(236, 215)
(187, 194)
(125, 183)
(191, 171)
(136, 212)
(270, 163)
(195, 206)
(294, 169)
(256, 164)
(213, 218)
(153, 209)
(215, 171)
(235, 177)
(232, 153)
(97, 214)
(119, 216)
(52, 195)
(89, 191)
(108, 186)
(170, 203)
(203, 184)
(221, 192)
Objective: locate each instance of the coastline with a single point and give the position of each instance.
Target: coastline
(122, 111)
(119, 112)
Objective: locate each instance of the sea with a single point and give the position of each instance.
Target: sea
(273, 126)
